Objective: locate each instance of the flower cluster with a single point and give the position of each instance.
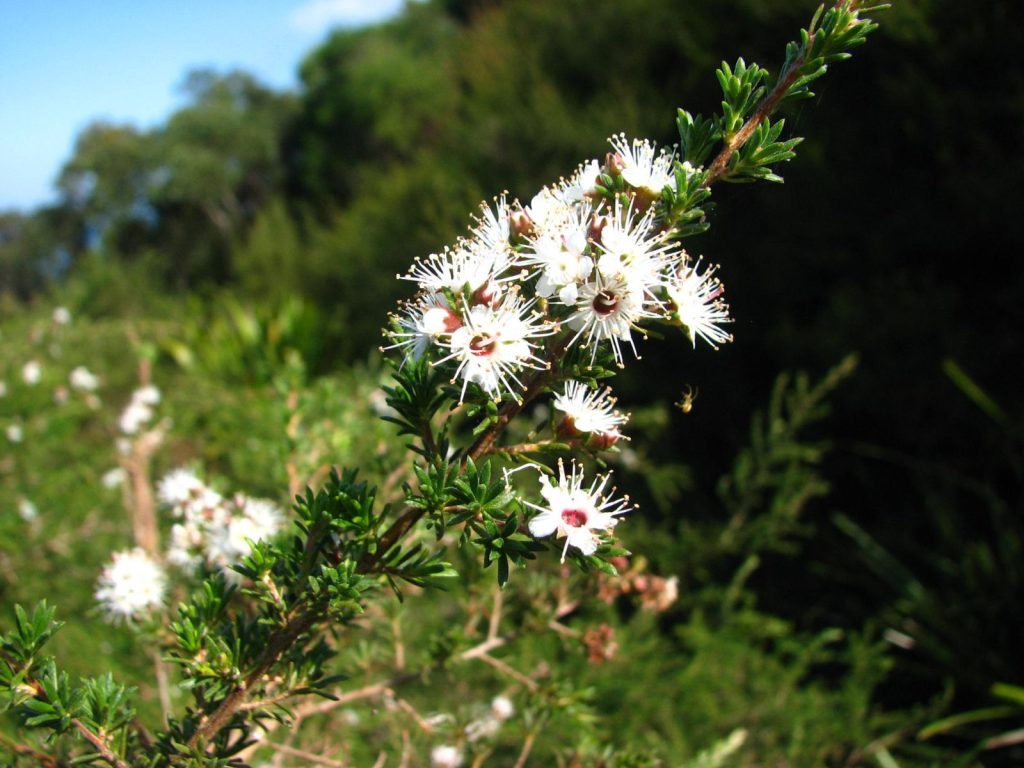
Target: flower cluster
(213, 530)
(586, 264)
(580, 262)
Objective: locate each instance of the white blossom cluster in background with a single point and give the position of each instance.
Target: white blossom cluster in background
(139, 410)
(570, 268)
(211, 531)
(479, 729)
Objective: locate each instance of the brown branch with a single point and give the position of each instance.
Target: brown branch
(527, 746)
(99, 744)
(279, 643)
(534, 386)
(44, 760)
(766, 107)
(513, 450)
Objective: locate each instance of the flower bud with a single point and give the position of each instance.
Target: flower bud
(596, 227)
(521, 224)
(614, 164)
(602, 441)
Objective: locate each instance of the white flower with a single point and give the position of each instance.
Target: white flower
(445, 756)
(548, 210)
(590, 410)
(502, 708)
(84, 379)
(179, 486)
(421, 324)
(31, 372)
(139, 410)
(696, 302)
(112, 478)
(229, 539)
(582, 184)
(15, 433)
(558, 254)
(149, 395)
(264, 516)
(186, 541)
(494, 344)
(134, 416)
(608, 309)
(61, 316)
(492, 232)
(205, 507)
(464, 268)
(484, 728)
(27, 510)
(641, 168)
(580, 515)
(633, 250)
(131, 585)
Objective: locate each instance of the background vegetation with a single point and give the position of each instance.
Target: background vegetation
(845, 580)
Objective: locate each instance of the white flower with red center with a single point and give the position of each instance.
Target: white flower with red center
(696, 300)
(422, 324)
(608, 309)
(131, 585)
(495, 343)
(632, 249)
(590, 410)
(641, 167)
(582, 516)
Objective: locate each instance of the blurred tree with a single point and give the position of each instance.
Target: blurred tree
(218, 165)
(104, 187)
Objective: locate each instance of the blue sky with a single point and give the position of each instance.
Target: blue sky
(66, 63)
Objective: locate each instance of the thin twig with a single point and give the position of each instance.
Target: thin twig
(495, 622)
(509, 670)
(410, 710)
(525, 752)
(45, 760)
(99, 744)
(162, 685)
(293, 752)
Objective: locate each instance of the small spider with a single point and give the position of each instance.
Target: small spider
(686, 403)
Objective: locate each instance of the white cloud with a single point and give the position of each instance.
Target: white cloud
(317, 16)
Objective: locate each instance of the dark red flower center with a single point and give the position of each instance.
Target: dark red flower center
(575, 518)
(482, 345)
(605, 302)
